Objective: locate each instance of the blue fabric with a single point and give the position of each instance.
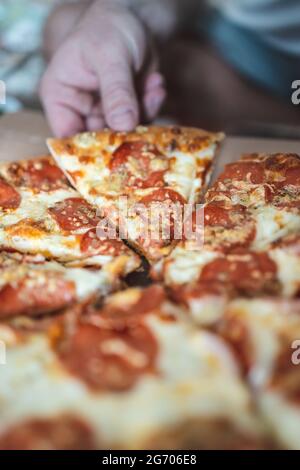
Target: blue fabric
(251, 55)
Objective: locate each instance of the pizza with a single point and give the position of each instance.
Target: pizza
(201, 357)
(40, 213)
(141, 180)
(130, 374)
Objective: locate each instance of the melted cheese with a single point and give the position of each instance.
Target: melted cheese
(267, 322)
(283, 418)
(185, 266)
(288, 268)
(198, 379)
(272, 224)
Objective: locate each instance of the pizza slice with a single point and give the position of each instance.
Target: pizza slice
(267, 188)
(206, 287)
(40, 213)
(140, 180)
(31, 286)
(251, 206)
(131, 374)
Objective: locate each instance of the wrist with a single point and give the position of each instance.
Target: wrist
(61, 23)
(161, 17)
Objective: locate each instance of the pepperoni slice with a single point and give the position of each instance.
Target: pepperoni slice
(283, 195)
(140, 165)
(228, 227)
(280, 162)
(228, 217)
(62, 433)
(41, 174)
(283, 171)
(92, 245)
(292, 176)
(185, 294)
(9, 197)
(128, 315)
(36, 295)
(161, 209)
(215, 215)
(251, 172)
(109, 360)
(249, 273)
(167, 196)
(74, 214)
(127, 150)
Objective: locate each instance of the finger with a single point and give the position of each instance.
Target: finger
(65, 107)
(153, 102)
(95, 123)
(64, 121)
(154, 80)
(95, 120)
(117, 91)
(155, 94)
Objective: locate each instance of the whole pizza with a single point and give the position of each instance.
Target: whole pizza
(141, 307)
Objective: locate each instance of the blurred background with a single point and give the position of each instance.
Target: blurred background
(21, 59)
(229, 66)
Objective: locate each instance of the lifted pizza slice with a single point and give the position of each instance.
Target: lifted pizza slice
(140, 180)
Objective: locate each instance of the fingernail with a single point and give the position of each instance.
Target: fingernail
(124, 121)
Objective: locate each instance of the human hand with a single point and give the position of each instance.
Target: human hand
(91, 79)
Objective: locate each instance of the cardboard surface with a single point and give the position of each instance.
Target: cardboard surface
(23, 135)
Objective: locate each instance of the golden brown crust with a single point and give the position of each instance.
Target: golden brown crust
(182, 139)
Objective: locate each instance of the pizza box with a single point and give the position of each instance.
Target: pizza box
(23, 135)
